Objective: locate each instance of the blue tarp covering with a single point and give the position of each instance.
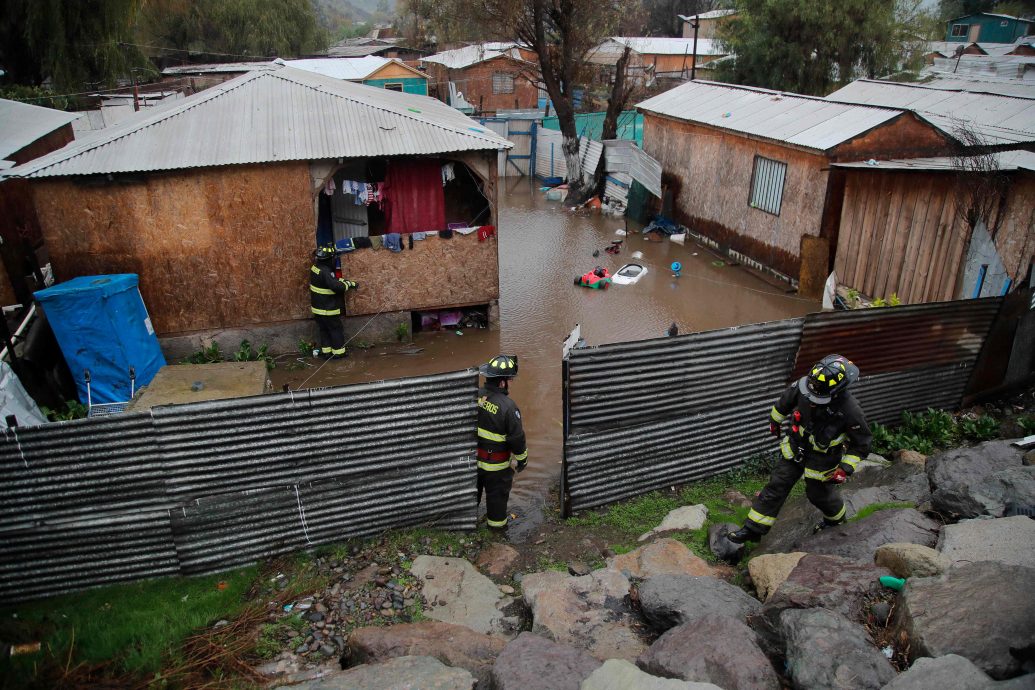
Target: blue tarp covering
(102, 325)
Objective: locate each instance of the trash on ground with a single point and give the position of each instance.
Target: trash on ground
(888, 651)
(718, 263)
(25, 648)
(895, 583)
(678, 238)
(620, 232)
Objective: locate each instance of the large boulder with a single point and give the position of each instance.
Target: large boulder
(818, 581)
(618, 674)
(713, 649)
(592, 612)
(400, 673)
(949, 671)
(683, 518)
(457, 593)
(661, 557)
(453, 645)
(911, 560)
(982, 611)
(826, 650)
(721, 547)
(899, 483)
(858, 541)
(964, 481)
(531, 662)
(670, 600)
(768, 571)
(1008, 540)
(497, 559)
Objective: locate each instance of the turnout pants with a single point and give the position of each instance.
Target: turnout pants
(496, 485)
(821, 493)
(332, 334)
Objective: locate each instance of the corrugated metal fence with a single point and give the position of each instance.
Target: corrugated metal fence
(203, 487)
(654, 413)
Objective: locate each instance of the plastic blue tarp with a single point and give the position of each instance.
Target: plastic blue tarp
(102, 325)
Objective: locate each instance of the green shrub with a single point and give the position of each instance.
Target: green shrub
(1027, 424)
(206, 355)
(246, 353)
(70, 409)
(982, 428)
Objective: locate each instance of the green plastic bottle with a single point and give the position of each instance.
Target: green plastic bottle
(895, 583)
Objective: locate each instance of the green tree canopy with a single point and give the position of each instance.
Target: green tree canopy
(813, 46)
(235, 28)
(75, 45)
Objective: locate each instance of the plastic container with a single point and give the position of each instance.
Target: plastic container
(895, 583)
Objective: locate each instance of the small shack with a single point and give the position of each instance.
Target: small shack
(987, 27)
(749, 168)
(379, 72)
(708, 23)
(218, 201)
(905, 227)
(653, 57)
(488, 76)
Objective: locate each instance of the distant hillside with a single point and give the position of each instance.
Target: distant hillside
(370, 6)
(334, 14)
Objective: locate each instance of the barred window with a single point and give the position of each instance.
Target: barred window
(502, 82)
(767, 185)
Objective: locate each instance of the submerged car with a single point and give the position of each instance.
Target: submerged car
(629, 274)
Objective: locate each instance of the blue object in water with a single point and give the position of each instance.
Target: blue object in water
(676, 267)
(102, 325)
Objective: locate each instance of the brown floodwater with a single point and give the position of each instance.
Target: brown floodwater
(542, 248)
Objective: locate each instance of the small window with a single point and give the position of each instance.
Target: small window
(394, 86)
(767, 185)
(1004, 23)
(502, 82)
(960, 29)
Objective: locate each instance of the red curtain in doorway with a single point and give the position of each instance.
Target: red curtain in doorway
(414, 200)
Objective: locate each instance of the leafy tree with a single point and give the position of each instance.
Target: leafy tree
(73, 45)
(812, 46)
(661, 17)
(235, 28)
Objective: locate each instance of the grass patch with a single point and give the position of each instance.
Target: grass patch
(137, 627)
(269, 643)
(875, 507)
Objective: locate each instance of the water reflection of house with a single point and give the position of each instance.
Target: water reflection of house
(216, 202)
(749, 168)
(489, 76)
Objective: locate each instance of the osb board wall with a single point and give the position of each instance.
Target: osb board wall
(214, 248)
(476, 84)
(900, 234)
(436, 273)
(714, 171)
(907, 136)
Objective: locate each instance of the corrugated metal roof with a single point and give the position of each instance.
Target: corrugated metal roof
(980, 84)
(270, 116)
(349, 69)
(22, 123)
(651, 45)
(472, 55)
(997, 119)
(1006, 160)
(714, 14)
(814, 123)
(219, 68)
(357, 51)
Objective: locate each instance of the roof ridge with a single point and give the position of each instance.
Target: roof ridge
(404, 112)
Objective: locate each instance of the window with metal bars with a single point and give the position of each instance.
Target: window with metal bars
(502, 82)
(767, 185)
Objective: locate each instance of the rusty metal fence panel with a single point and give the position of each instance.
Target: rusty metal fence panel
(649, 414)
(203, 487)
(911, 357)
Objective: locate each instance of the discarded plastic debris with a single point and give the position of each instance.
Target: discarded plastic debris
(718, 263)
(25, 648)
(695, 254)
(895, 583)
(888, 651)
(637, 255)
(288, 607)
(459, 332)
(197, 386)
(620, 232)
(676, 268)
(679, 238)
(221, 585)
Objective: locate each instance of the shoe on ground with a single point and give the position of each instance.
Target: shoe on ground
(742, 535)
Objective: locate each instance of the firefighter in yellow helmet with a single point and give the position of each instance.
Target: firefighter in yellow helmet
(326, 294)
(501, 438)
(827, 436)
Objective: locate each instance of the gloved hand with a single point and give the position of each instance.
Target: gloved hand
(839, 476)
(776, 429)
(350, 284)
(521, 466)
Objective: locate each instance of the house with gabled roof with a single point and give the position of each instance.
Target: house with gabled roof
(488, 76)
(217, 201)
(748, 169)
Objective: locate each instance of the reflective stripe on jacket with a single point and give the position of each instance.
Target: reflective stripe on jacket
(324, 291)
(830, 434)
(499, 429)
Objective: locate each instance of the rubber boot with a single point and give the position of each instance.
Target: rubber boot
(743, 534)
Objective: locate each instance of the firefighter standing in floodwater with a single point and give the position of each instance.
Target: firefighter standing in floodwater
(326, 294)
(501, 438)
(827, 439)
